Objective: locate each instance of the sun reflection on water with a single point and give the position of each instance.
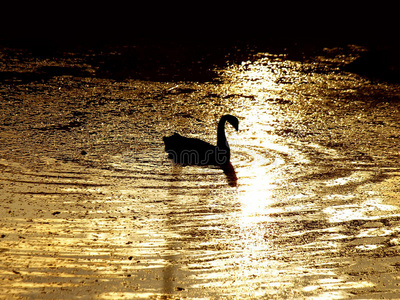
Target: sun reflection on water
(256, 197)
(255, 82)
(257, 167)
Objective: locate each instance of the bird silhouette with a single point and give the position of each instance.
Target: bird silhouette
(192, 151)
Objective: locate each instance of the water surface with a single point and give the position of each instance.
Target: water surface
(91, 207)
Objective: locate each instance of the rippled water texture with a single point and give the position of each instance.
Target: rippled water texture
(92, 208)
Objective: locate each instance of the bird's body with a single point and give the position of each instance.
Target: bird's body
(191, 151)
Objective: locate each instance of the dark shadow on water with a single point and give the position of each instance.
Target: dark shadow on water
(41, 74)
(377, 64)
(230, 174)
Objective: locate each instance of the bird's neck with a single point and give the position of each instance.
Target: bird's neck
(221, 138)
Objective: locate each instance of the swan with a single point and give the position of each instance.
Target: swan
(191, 151)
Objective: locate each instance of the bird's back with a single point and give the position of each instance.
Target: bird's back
(189, 151)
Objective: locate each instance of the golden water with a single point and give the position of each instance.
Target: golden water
(314, 212)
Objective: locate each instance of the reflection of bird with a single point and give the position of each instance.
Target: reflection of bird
(189, 151)
(230, 173)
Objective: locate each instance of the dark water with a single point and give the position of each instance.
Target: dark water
(91, 207)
